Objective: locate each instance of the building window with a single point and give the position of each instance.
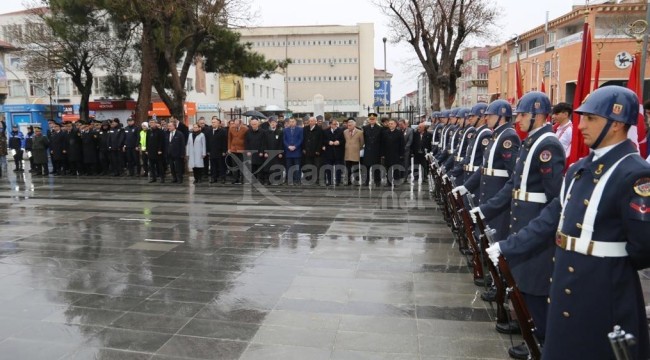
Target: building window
(17, 88)
(63, 87)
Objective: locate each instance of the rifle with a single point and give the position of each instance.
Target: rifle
(621, 343)
(469, 235)
(525, 319)
(457, 223)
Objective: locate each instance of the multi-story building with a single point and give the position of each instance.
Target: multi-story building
(212, 93)
(406, 107)
(473, 83)
(424, 105)
(331, 67)
(550, 53)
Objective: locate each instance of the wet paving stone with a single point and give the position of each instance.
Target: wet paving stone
(321, 274)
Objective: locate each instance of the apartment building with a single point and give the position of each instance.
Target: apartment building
(332, 66)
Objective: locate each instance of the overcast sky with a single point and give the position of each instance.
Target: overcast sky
(518, 16)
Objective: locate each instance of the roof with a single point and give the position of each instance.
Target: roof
(37, 10)
(7, 46)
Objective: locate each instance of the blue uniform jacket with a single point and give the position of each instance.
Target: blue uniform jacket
(545, 176)
(480, 140)
(436, 138)
(589, 294)
(456, 168)
(506, 150)
(448, 135)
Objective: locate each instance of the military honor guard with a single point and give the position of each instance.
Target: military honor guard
(599, 223)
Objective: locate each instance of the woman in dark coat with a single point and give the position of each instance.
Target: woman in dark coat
(392, 150)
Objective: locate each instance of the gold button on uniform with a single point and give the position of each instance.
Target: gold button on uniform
(553, 258)
(550, 280)
(579, 225)
(567, 291)
(548, 300)
(586, 202)
(515, 219)
(571, 269)
(566, 314)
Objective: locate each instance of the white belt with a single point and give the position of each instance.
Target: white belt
(495, 172)
(450, 152)
(470, 168)
(590, 247)
(529, 197)
(459, 159)
(436, 143)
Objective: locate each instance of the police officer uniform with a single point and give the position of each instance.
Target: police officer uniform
(602, 221)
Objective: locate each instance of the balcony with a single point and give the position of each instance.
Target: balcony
(568, 40)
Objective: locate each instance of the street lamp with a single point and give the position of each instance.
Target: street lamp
(49, 92)
(385, 74)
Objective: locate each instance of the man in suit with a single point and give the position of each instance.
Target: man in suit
(408, 140)
(420, 147)
(236, 137)
(392, 151)
(333, 151)
(255, 143)
(155, 151)
(274, 155)
(217, 138)
(311, 150)
(353, 144)
(293, 138)
(372, 149)
(176, 152)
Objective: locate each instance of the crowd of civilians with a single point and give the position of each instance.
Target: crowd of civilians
(271, 152)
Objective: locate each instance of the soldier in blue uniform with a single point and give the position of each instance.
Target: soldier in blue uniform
(478, 140)
(455, 167)
(448, 136)
(436, 131)
(498, 162)
(601, 223)
(535, 182)
(456, 138)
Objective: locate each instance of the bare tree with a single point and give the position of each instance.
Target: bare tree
(436, 30)
(68, 38)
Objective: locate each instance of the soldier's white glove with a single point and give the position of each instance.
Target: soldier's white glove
(476, 212)
(429, 157)
(439, 171)
(445, 178)
(493, 253)
(459, 191)
(12, 152)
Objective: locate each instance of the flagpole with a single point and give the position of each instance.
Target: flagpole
(644, 52)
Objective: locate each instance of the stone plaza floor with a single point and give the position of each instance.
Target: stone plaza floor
(115, 268)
